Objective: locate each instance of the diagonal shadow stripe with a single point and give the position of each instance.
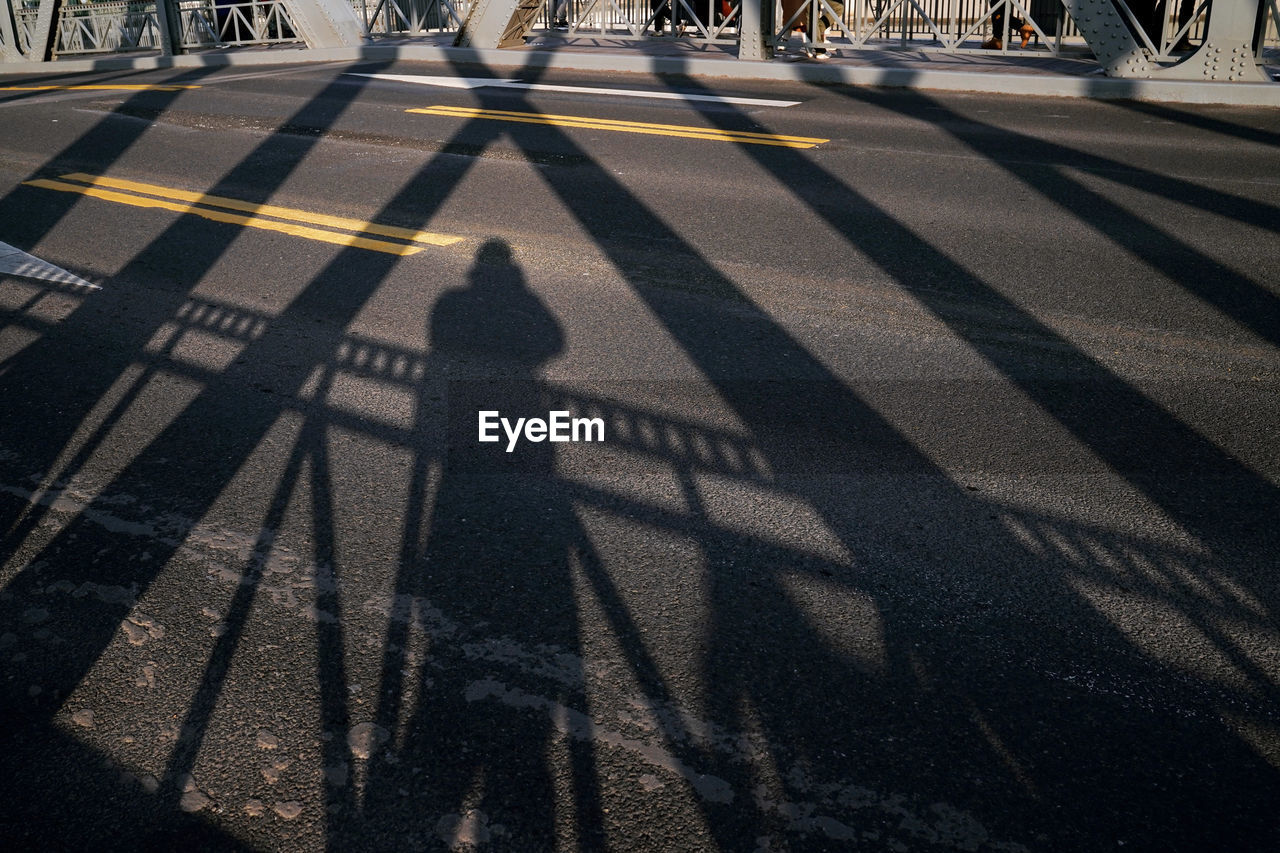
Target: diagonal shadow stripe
(1108, 414)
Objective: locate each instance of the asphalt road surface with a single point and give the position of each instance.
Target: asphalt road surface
(933, 502)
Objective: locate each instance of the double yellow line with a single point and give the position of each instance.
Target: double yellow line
(284, 220)
(588, 123)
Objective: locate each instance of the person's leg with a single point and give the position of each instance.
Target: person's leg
(664, 15)
(996, 42)
(825, 22)
(837, 7)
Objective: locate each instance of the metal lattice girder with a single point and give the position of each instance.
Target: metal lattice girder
(498, 23)
(1227, 50)
(326, 23)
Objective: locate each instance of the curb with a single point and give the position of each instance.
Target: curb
(1040, 84)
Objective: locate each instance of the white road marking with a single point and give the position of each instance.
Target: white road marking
(14, 261)
(495, 82)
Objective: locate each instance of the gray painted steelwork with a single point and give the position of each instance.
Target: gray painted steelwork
(1227, 52)
(170, 26)
(167, 18)
(498, 23)
(244, 23)
(755, 28)
(8, 36)
(1110, 38)
(326, 23)
(43, 37)
(1128, 39)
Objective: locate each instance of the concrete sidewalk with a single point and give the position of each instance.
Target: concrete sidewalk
(1016, 72)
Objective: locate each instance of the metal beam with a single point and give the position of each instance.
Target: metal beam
(755, 28)
(9, 51)
(1227, 52)
(166, 15)
(497, 23)
(1109, 38)
(45, 38)
(326, 23)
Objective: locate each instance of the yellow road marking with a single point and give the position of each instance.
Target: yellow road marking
(426, 237)
(585, 122)
(232, 218)
(127, 87)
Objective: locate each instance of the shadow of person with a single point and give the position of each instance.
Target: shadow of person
(488, 340)
(496, 320)
(490, 556)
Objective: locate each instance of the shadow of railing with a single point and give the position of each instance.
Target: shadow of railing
(966, 635)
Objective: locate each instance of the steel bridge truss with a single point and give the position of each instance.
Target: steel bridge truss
(410, 17)
(204, 24)
(1130, 38)
(1163, 29)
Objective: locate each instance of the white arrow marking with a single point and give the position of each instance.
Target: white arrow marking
(17, 262)
(495, 82)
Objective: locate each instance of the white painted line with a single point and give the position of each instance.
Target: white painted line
(498, 83)
(446, 82)
(14, 261)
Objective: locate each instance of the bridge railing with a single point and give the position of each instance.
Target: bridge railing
(106, 27)
(936, 25)
(411, 17)
(210, 23)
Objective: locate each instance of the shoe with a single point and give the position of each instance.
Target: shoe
(820, 54)
(561, 25)
(1026, 31)
(993, 44)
